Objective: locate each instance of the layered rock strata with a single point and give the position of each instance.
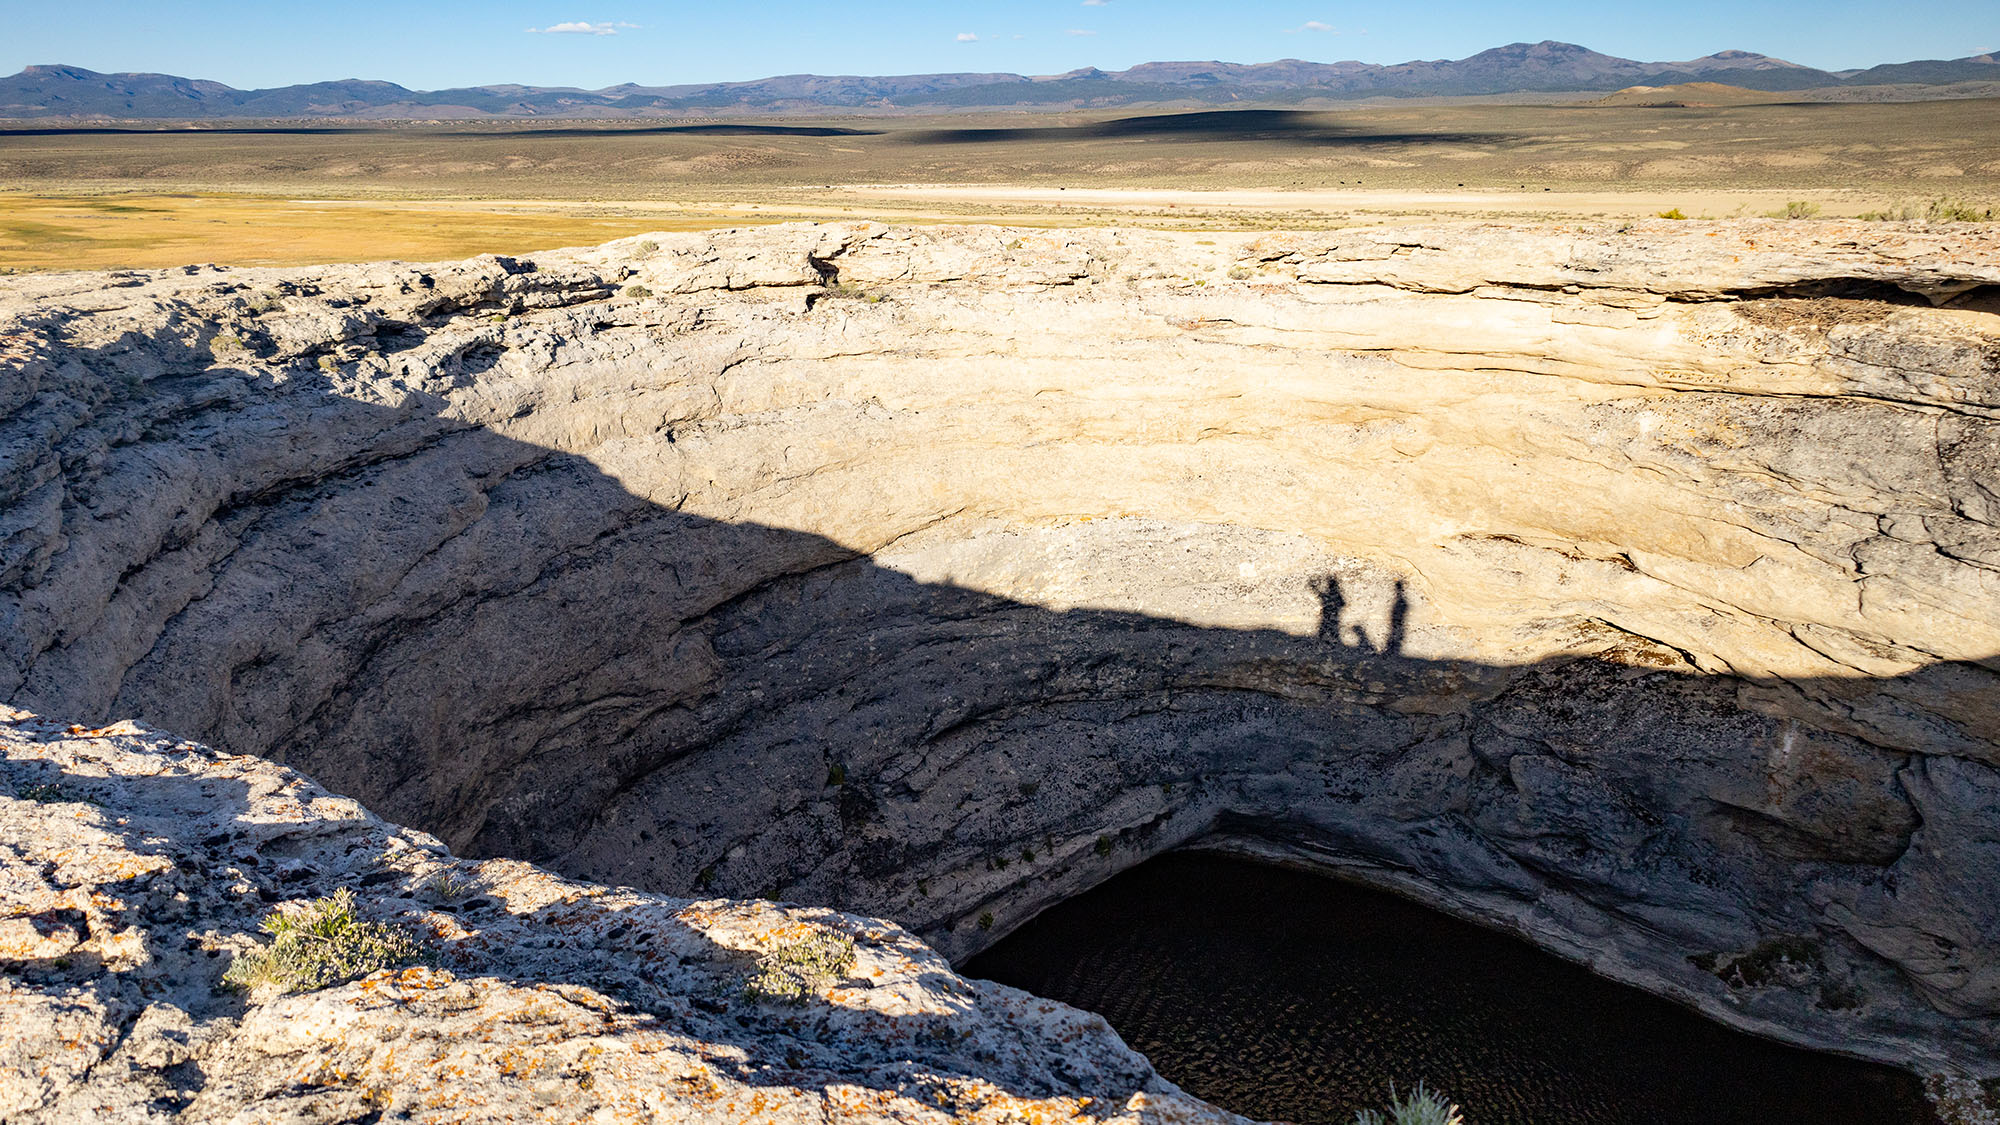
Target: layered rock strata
(1636, 589)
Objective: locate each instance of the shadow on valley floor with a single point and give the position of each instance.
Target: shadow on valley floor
(1285, 126)
(504, 644)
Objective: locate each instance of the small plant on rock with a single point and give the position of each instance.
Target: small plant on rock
(1673, 213)
(1421, 1107)
(794, 971)
(1796, 209)
(637, 291)
(452, 885)
(322, 944)
(843, 291)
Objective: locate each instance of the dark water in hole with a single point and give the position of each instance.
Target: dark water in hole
(1282, 995)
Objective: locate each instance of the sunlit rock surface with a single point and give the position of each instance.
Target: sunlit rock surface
(1636, 589)
(134, 866)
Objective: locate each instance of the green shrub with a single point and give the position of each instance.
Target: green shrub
(320, 945)
(1952, 211)
(842, 291)
(637, 291)
(1675, 213)
(1894, 213)
(1939, 210)
(1239, 273)
(1421, 1107)
(797, 970)
(452, 885)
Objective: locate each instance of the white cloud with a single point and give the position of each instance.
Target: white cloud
(581, 27)
(967, 37)
(1078, 31)
(1313, 25)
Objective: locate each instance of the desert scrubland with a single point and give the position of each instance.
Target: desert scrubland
(289, 194)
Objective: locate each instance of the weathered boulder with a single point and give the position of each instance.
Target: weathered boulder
(1636, 589)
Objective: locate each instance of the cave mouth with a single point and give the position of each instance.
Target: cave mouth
(1285, 995)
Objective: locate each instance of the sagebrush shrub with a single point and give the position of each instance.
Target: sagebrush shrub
(794, 971)
(320, 945)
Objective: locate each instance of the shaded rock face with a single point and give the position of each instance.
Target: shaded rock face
(1636, 590)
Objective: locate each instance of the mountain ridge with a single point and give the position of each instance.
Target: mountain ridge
(62, 90)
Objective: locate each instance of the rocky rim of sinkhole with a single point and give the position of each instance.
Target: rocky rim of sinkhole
(1635, 589)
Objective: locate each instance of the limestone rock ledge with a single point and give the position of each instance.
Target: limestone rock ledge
(1634, 588)
(134, 866)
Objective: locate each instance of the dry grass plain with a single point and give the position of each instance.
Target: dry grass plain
(286, 194)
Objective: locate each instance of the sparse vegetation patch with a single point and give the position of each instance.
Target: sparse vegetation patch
(322, 944)
(1421, 1106)
(794, 971)
(452, 885)
(843, 291)
(1939, 210)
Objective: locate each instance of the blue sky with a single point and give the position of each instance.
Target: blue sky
(429, 44)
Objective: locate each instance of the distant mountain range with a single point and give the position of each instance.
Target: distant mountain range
(1547, 67)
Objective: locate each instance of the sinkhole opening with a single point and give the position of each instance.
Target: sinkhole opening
(1284, 995)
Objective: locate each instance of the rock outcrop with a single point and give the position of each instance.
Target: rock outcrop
(1636, 589)
(136, 866)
